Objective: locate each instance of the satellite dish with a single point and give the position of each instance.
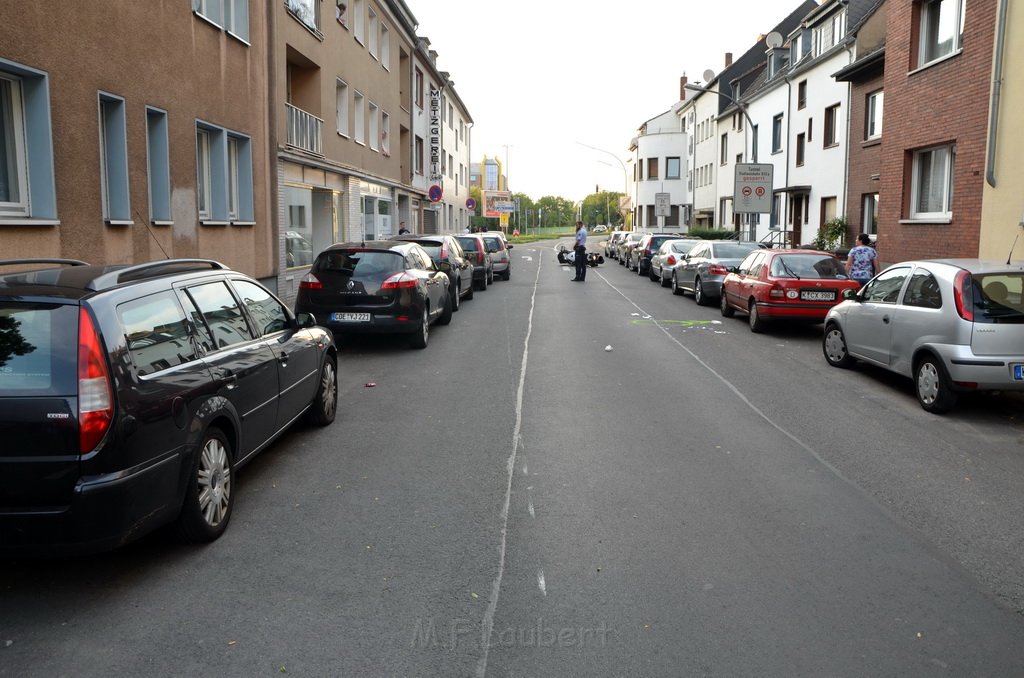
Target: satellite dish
(708, 75)
(773, 39)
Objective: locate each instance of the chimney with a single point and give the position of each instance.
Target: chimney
(728, 59)
(682, 88)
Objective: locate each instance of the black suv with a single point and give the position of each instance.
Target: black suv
(129, 395)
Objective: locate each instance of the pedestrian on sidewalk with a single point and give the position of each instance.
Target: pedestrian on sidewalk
(580, 252)
(862, 261)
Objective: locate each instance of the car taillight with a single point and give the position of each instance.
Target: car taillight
(444, 251)
(399, 281)
(717, 269)
(671, 261)
(310, 282)
(480, 257)
(95, 396)
(963, 298)
(777, 292)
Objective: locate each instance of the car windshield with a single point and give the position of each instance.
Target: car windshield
(363, 264)
(999, 298)
(806, 266)
(469, 244)
(682, 246)
(732, 250)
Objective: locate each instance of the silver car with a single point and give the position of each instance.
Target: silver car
(705, 266)
(668, 256)
(952, 325)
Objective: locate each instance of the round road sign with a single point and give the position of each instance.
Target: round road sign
(746, 191)
(435, 193)
(470, 204)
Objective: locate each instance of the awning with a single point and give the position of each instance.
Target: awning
(794, 189)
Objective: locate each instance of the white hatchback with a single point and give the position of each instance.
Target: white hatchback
(952, 325)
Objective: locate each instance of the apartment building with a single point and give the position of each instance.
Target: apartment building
(130, 145)
(659, 155)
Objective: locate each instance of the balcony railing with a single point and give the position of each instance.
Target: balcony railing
(305, 130)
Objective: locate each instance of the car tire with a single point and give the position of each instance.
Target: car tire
(472, 289)
(833, 346)
(650, 274)
(757, 323)
(421, 336)
(490, 277)
(723, 305)
(208, 496)
(507, 275)
(480, 284)
(446, 313)
(665, 282)
(932, 385)
(325, 403)
(698, 293)
(454, 294)
(676, 289)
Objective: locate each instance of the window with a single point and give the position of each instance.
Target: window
(374, 120)
(359, 117)
(265, 311)
(359, 17)
(777, 133)
(419, 88)
(801, 94)
(832, 125)
(451, 117)
(873, 114)
(418, 160)
(923, 290)
(941, 29)
(13, 164)
(776, 211)
(221, 314)
(156, 332)
(341, 96)
(652, 168)
(341, 12)
(114, 159)
(672, 168)
(158, 164)
(223, 175)
(725, 149)
(385, 133)
(800, 149)
(230, 15)
(869, 214)
(306, 11)
(373, 33)
(885, 288)
(810, 128)
(385, 47)
(829, 33)
(932, 183)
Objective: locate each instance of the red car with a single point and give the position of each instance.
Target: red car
(784, 284)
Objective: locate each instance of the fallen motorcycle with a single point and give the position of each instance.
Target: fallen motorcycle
(567, 256)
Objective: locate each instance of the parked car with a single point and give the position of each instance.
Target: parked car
(668, 256)
(611, 242)
(298, 250)
(784, 284)
(376, 287)
(705, 266)
(483, 267)
(626, 245)
(951, 325)
(130, 396)
(600, 229)
(448, 256)
(499, 250)
(645, 249)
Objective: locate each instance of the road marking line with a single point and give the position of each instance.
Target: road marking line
(540, 583)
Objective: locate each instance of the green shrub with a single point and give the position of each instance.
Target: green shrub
(711, 234)
(832, 235)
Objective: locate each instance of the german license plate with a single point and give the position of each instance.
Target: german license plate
(1018, 372)
(818, 295)
(350, 317)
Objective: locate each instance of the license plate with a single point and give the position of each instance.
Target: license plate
(818, 295)
(1018, 372)
(350, 317)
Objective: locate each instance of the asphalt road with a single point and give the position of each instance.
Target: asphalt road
(698, 500)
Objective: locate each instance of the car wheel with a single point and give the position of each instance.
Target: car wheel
(676, 289)
(208, 497)
(472, 289)
(757, 323)
(325, 403)
(932, 385)
(455, 297)
(421, 336)
(698, 293)
(481, 284)
(490, 277)
(507, 275)
(650, 274)
(727, 310)
(833, 345)
(446, 312)
(665, 282)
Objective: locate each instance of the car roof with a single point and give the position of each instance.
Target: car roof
(379, 245)
(972, 265)
(79, 280)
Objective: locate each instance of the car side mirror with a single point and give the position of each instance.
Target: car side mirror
(850, 294)
(491, 250)
(733, 269)
(445, 266)
(304, 320)
(509, 246)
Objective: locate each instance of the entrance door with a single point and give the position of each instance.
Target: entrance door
(369, 218)
(798, 216)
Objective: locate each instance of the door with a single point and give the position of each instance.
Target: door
(868, 327)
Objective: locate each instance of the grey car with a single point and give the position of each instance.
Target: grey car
(626, 245)
(952, 325)
(705, 266)
(668, 256)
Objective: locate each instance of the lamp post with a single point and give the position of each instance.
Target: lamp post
(625, 174)
(743, 110)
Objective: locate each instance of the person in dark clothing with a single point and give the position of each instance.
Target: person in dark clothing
(580, 252)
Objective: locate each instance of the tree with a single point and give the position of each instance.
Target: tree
(602, 208)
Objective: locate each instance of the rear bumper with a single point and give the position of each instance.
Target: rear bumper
(809, 312)
(989, 372)
(105, 512)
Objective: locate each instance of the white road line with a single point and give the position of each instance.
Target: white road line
(540, 583)
(487, 625)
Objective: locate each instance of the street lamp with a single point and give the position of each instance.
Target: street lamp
(709, 75)
(625, 174)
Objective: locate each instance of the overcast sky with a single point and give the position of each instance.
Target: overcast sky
(542, 75)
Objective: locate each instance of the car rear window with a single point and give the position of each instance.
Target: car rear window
(494, 242)
(807, 266)
(732, 250)
(359, 264)
(38, 349)
(999, 298)
(470, 244)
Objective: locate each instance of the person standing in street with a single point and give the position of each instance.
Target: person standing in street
(862, 261)
(580, 252)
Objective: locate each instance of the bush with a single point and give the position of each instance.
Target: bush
(832, 235)
(711, 234)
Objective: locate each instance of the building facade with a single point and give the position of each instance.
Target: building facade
(659, 156)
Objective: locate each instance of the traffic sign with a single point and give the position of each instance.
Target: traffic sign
(435, 193)
(752, 193)
(470, 204)
(662, 205)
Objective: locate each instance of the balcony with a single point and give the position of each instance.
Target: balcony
(305, 130)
